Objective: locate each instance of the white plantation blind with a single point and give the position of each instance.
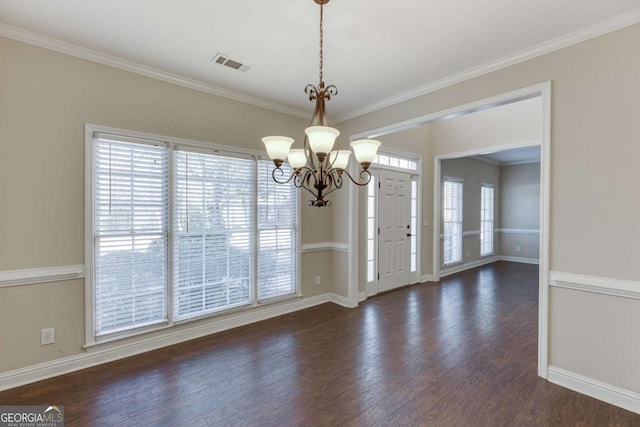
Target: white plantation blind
(452, 219)
(130, 233)
(213, 232)
(277, 234)
(180, 231)
(486, 219)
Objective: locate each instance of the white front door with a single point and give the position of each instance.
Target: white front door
(394, 217)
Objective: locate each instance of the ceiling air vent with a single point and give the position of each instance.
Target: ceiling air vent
(228, 62)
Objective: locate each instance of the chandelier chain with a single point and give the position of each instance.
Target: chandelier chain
(321, 40)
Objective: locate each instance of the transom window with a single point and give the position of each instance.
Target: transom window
(396, 161)
(180, 231)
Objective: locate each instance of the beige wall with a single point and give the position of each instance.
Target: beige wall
(596, 336)
(45, 100)
(509, 124)
(520, 210)
(593, 108)
(474, 173)
(593, 173)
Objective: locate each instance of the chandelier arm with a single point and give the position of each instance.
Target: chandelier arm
(312, 91)
(330, 91)
(364, 174)
(281, 173)
(299, 177)
(304, 186)
(336, 182)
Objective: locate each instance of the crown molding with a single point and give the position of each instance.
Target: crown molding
(544, 48)
(489, 161)
(500, 164)
(520, 162)
(140, 69)
(567, 40)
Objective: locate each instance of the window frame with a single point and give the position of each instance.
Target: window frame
(492, 221)
(172, 144)
(459, 181)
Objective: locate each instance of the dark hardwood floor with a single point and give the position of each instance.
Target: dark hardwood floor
(458, 353)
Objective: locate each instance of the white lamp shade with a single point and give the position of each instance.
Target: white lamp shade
(277, 146)
(339, 159)
(365, 150)
(297, 159)
(321, 138)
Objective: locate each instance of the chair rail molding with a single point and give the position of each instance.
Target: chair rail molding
(324, 246)
(534, 231)
(598, 285)
(31, 276)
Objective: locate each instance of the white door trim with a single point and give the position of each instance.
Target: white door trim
(541, 89)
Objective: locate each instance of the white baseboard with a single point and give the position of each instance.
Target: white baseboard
(602, 391)
(467, 265)
(339, 299)
(110, 352)
(519, 259)
(426, 278)
(483, 261)
(362, 296)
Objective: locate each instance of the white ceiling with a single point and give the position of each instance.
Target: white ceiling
(375, 52)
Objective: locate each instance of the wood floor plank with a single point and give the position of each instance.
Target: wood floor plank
(458, 353)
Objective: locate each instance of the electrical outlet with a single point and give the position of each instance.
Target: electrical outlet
(426, 222)
(47, 336)
(467, 254)
(517, 248)
(317, 280)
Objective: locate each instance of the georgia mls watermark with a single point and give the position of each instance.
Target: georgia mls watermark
(31, 416)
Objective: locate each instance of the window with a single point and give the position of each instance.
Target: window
(414, 225)
(219, 235)
(371, 229)
(130, 234)
(277, 234)
(486, 220)
(213, 224)
(452, 214)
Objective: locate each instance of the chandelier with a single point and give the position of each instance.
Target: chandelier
(317, 167)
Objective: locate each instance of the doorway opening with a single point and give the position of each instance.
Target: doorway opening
(429, 264)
